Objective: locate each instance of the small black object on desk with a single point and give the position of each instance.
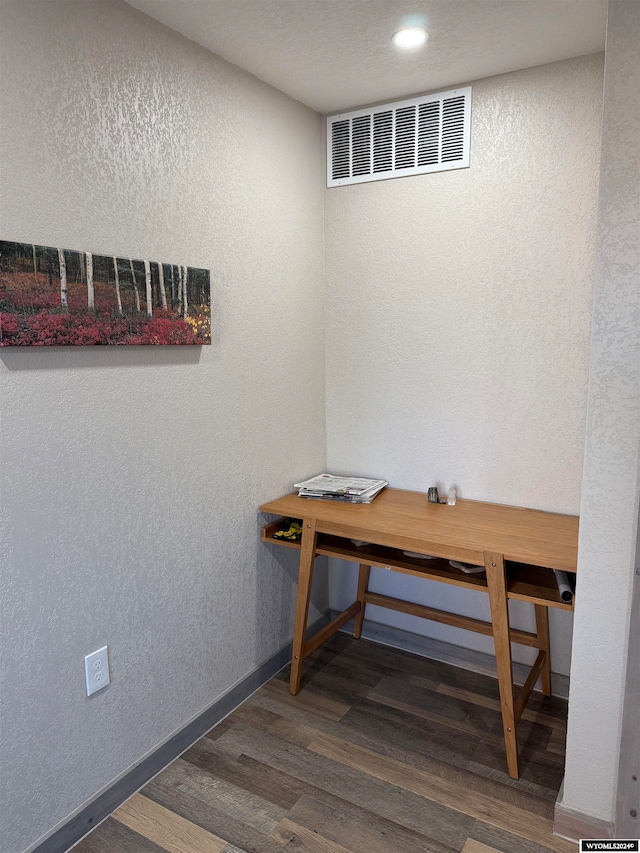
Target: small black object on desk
(433, 496)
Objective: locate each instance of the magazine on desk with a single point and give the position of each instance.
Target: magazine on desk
(330, 487)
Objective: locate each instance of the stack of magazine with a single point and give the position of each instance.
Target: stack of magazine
(327, 487)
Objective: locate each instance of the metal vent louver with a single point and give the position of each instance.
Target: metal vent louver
(426, 134)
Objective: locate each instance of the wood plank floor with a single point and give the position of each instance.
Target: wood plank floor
(381, 752)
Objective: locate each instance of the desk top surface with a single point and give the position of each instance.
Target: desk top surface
(523, 535)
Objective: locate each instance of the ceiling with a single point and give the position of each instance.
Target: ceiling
(337, 54)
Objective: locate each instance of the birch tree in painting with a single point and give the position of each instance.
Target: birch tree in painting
(117, 275)
(185, 298)
(90, 295)
(135, 286)
(63, 279)
(147, 278)
(35, 262)
(163, 295)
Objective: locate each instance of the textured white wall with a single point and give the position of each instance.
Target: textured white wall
(609, 527)
(131, 478)
(458, 311)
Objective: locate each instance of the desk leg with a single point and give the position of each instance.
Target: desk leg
(305, 576)
(363, 586)
(497, 585)
(542, 630)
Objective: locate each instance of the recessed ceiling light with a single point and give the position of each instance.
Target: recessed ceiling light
(410, 38)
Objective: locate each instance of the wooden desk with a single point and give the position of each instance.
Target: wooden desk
(518, 547)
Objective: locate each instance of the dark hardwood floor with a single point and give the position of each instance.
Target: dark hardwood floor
(381, 752)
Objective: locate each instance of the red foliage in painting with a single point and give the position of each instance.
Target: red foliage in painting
(162, 330)
(31, 315)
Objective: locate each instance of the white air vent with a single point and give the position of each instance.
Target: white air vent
(426, 134)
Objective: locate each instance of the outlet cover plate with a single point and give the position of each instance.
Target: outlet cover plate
(96, 670)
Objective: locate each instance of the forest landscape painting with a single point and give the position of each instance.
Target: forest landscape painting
(58, 297)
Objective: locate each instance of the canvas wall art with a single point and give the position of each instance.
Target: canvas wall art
(58, 297)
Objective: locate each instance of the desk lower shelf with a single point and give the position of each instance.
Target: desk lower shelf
(534, 584)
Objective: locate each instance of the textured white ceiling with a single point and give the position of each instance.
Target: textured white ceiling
(336, 54)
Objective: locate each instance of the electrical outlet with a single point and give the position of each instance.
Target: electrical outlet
(96, 670)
